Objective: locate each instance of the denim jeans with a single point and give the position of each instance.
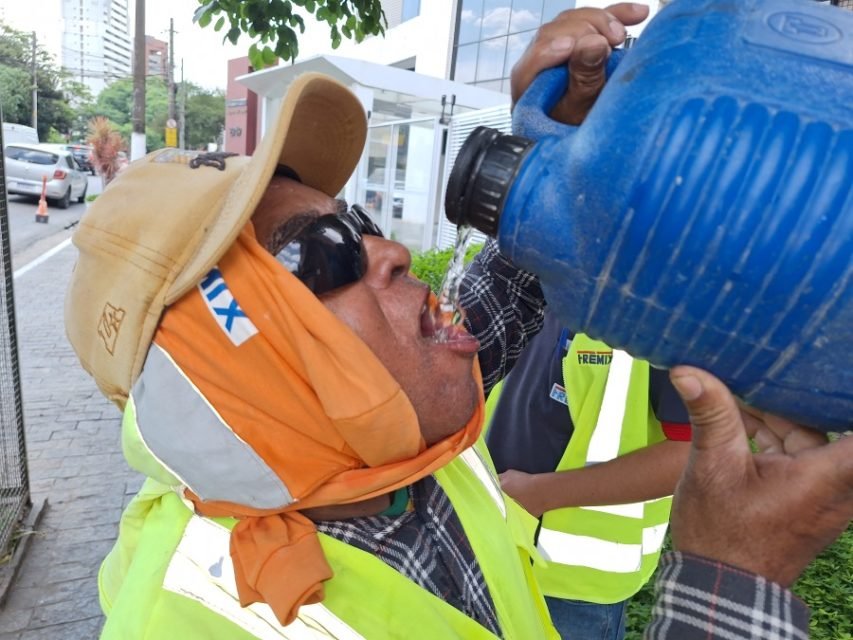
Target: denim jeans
(576, 620)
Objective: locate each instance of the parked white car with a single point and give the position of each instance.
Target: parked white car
(27, 163)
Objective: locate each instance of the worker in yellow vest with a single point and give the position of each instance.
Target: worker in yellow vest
(307, 441)
(592, 442)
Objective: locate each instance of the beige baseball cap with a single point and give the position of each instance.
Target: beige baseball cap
(165, 221)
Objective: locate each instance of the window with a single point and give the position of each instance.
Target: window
(39, 157)
(411, 9)
(470, 18)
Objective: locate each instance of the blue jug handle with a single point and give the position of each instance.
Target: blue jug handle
(530, 116)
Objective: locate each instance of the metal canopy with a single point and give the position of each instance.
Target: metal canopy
(421, 93)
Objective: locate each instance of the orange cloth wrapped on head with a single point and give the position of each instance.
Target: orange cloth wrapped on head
(313, 402)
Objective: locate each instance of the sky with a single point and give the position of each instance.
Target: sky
(205, 56)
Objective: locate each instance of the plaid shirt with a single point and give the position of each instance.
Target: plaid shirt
(428, 545)
(504, 308)
(700, 599)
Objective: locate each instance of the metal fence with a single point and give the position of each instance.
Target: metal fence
(14, 480)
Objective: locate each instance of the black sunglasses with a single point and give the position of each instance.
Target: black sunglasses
(329, 253)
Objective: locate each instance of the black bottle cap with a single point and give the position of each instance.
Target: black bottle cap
(482, 175)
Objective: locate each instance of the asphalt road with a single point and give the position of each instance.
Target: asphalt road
(30, 238)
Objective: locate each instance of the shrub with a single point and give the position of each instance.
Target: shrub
(106, 144)
(430, 266)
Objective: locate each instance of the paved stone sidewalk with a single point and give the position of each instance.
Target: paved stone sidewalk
(75, 461)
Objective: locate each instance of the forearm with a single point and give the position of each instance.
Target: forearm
(504, 308)
(701, 599)
(645, 474)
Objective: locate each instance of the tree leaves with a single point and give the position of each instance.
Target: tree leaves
(272, 23)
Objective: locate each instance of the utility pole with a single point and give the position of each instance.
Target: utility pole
(171, 132)
(171, 68)
(35, 87)
(137, 139)
(182, 140)
(82, 48)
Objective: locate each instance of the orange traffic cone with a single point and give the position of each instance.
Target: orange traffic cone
(41, 213)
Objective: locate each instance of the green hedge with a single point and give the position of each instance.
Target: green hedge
(430, 266)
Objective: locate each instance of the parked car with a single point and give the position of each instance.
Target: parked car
(83, 155)
(27, 163)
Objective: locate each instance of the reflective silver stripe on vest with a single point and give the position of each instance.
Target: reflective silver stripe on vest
(186, 434)
(595, 553)
(653, 538)
(631, 510)
(201, 569)
(471, 457)
(604, 444)
(607, 435)
(585, 551)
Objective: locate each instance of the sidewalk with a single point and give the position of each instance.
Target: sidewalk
(75, 461)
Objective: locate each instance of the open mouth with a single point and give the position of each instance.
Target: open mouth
(442, 325)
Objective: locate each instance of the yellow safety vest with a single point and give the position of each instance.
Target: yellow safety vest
(170, 574)
(603, 554)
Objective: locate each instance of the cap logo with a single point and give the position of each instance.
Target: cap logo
(109, 326)
(211, 159)
(194, 159)
(225, 309)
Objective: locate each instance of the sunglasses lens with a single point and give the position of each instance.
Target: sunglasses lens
(365, 223)
(326, 255)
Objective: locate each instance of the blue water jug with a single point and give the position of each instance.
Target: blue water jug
(703, 212)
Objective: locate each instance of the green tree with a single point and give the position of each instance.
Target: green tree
(16, 59)
(204, 117)
(115, 102)
(273, 23)
(15, 94)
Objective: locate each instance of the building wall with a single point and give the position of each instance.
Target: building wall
(422, 43)
(89, 38)
(493, 34)
(490, 38)
(96, 41)
(241, 111)
(157, 57)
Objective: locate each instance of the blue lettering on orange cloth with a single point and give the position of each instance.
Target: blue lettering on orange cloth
(225, 309)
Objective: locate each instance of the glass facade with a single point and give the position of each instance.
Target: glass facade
(492, 35)
(396, 177)
(411, 9)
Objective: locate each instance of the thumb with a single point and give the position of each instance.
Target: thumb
(587, 66)
(714, 414)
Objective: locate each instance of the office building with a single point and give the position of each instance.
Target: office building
(156, 57)
(96, 41)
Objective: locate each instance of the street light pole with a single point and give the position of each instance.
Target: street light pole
(35, 87)
(182, 141)
(137, 139)
(171, 68)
